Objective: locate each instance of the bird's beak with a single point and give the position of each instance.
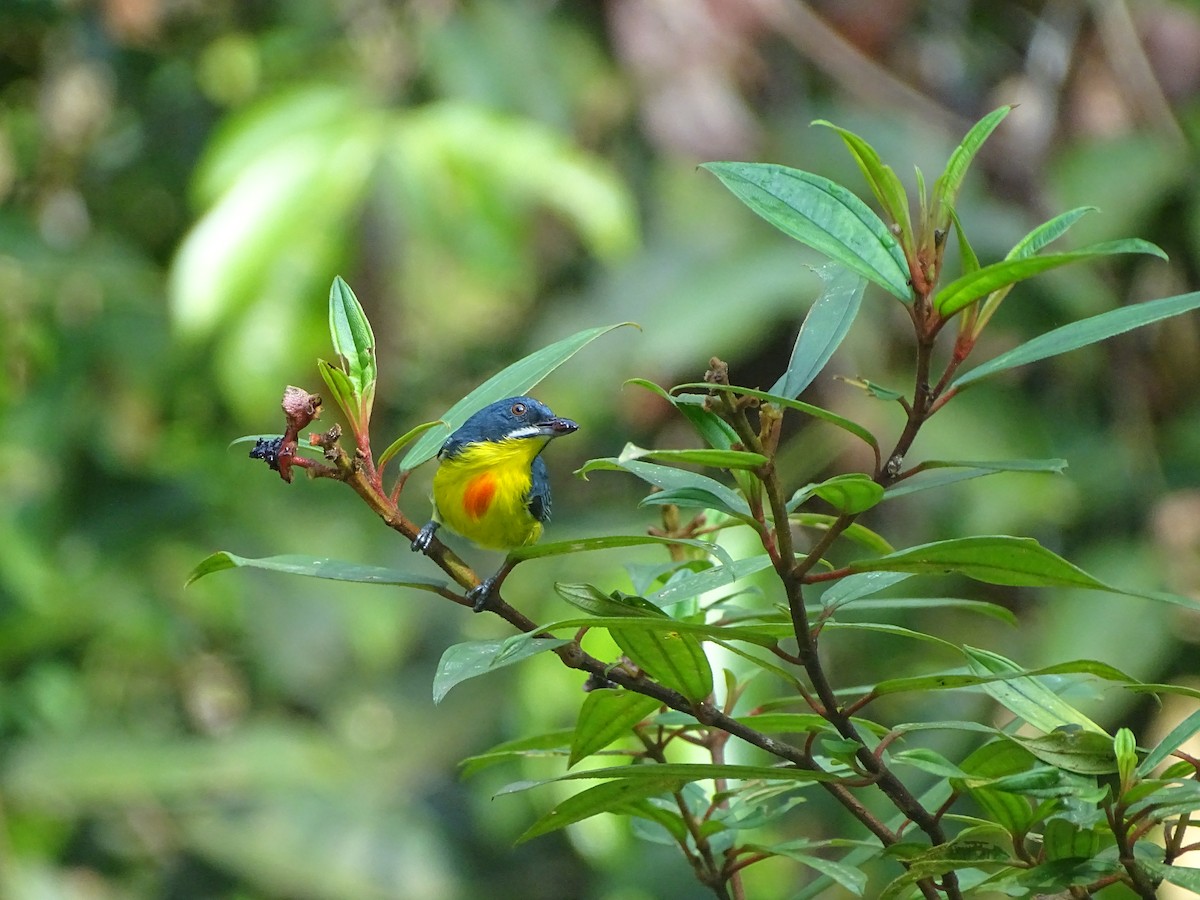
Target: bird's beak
(557, 427)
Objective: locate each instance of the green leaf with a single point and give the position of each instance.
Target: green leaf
(766, 635)
(342, 390)
(815, 411)
(1124, 748)
(318, 567)
(1079, 334)
(1029, 699)
(1047, 232)
(684, 773)
(690, 498)
(855, 587)
(982, 607)
(674, 658)
(404, 440)
(943, 681)
(970, 262)
(592, 600)
(353, 341)
(612, 797)
(693, 585)
(860, 534)
(614, 541)
(1077, 750)
(670, 478)
(945, 189)
(884, 183)
(993, 559)
(878, 391)
(1183, 876)
(824, 327)
(606, 715)
(554, 743)
(515, 380)
(823, 215)
(720, 459)
(1168, 745)
(967, 289)
(473, 658)
(851, 493)
(937, 473)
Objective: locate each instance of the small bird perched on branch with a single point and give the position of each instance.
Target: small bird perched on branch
(492, 485)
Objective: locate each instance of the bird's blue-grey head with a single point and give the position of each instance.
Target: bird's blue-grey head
(512, 419)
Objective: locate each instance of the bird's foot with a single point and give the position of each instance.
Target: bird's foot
(481, 595)
(424, 537)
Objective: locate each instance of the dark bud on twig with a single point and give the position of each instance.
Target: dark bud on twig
(268, 450)
(597, 682)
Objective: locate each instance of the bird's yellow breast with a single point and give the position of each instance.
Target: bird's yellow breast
(482, 493)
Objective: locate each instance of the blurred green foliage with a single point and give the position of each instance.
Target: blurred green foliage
(180, 182)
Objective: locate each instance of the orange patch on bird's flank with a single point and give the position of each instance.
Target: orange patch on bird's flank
(478, 495)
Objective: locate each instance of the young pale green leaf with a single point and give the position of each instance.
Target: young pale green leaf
(606, 715)
(473, 658)
(317, 567)
(851, 493)
(1124, 748)
(1081, 333)
(592, 600)
(342, 390)
(823, 215)
(878, 391)
(718, 459)
(1184, 731)
(884, 183)
(945, 189)
(1030, 699)
(824, 327)
(404, 440)
(993, 559)
(353, 341)
(1047, 232)
(967, 289)
(970, 262)
(611, 797)
(815, 411)
(516, 379)
(674, 658)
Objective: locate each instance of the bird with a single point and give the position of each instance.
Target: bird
(492, 486)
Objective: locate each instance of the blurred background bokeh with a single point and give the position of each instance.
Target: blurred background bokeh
(180, 180)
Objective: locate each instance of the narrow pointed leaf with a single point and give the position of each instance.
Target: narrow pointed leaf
(473, 658)
(1047, 232)
(514, 380)
(605, 716)
(970, 262)
(317, 567)
(859, 534)
(1184, 731)
(994, 559)
(939, 473)
(823, 215)
(554, 743)
(720, 459)
(404, 440)
(342, 390)
(1029, 699)
(612, 796)
(826, 325)
(670, 478)
(614, 541)
(970, 287)
(945, 189)
(855, 587)
(1081, 333)
(693, 585)
(884, 183)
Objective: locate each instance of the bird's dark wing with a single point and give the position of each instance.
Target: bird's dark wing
(539, 491)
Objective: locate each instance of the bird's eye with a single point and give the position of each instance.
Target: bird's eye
(518, 409)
